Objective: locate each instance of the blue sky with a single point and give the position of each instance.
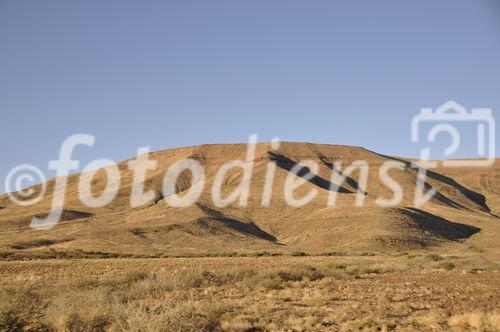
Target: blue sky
(168, 74)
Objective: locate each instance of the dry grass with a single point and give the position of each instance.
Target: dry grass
(245, 294)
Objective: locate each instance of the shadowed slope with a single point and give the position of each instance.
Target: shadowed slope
(473, 196)
(305, 173)
(247, 228)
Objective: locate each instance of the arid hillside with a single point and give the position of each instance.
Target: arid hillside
(461, 217)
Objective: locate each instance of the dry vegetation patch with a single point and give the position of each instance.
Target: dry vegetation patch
(247, 294)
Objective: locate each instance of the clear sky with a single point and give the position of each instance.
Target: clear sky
(178, 73)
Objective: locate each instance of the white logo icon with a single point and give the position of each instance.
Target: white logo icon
(443, 118)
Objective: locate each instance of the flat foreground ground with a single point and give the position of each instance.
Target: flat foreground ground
(423, 292)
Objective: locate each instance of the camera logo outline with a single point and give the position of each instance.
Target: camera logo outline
(444, 116)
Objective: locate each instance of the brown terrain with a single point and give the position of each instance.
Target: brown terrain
(317, 267)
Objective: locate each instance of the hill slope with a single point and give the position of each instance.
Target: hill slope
(460, 216)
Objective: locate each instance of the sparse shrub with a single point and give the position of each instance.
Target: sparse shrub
(84, 283)
(76, 323)
(271, 283)
(372, 323)
(353, 271)
(21, 310)
(372, 270)
(240, 324)
(186, 280)
(11, 320)
(336, 270)
(434, 257)
(236, 275)
(340, 266)
(356, 270)
(475, 321)
(447, 265)
(200, 316)
(126, 280)
(138, 231)
(210, 317)
(334, 253)
(134, 276)
(300, 272)
(276, 279)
